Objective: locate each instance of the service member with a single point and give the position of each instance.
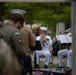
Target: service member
(28, 38)
(65, 52)
(12, 36)
(46, 43)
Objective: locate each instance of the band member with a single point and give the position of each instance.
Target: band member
(55, 47)
(46, 44)
(65, 52)
(69, 59)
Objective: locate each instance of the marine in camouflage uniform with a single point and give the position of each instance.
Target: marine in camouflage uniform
(12, 36)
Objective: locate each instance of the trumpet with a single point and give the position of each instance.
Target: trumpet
(44, 41)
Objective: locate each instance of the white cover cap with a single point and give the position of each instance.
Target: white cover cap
(43, 28)
(19, 11)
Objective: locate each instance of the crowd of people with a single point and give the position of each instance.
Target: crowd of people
(16, 50)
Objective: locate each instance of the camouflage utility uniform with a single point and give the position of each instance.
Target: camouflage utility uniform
(12, 36)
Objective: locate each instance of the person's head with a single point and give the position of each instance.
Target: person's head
(17, 20)
(37, 33)
(17, 17)
(54, 39)
(43, 30)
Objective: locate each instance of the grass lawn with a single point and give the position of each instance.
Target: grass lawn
(42, 64)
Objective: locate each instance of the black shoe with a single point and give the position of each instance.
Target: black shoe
(45, 66)
(68, 70)
(60, 67)
(37, 66)
(46, 73)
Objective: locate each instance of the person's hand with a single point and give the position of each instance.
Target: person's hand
(44, 37)
(51, 49)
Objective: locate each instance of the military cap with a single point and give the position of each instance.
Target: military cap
(69, 33)
(19, 11)
(43, 28)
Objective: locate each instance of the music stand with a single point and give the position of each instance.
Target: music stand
(65, 40)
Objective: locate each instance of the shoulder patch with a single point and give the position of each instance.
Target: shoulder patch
(17, 33)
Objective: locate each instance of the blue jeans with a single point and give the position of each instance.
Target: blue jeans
(27, 64)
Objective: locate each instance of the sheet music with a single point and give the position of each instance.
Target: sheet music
(69, 38)
(63, 39)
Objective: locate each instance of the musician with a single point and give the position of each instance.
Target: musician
(69, 59)
(46, 43)
(55, 46)
(65, 52)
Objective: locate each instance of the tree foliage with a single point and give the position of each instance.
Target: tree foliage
(48, 14)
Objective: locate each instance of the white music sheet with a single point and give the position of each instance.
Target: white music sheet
(69, 38)
(63, 39)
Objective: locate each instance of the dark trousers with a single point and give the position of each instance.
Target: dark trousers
(27, 65)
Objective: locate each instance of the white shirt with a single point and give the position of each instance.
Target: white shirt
(47, 44)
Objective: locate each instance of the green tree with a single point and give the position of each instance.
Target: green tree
(48, 14)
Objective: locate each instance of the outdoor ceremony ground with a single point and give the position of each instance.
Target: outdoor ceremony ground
(55, 62)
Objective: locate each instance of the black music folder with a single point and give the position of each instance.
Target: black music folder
(38, 45)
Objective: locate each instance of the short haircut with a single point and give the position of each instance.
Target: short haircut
(17, 17)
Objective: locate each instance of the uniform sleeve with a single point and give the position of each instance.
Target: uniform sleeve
(32, 38)
(50, 40)
(17, 43)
